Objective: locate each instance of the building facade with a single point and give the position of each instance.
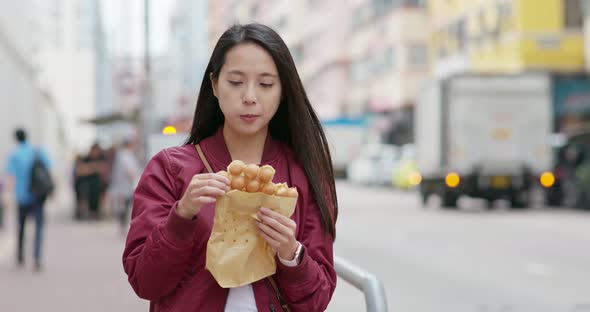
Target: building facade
(506, 36)
(73, 64)
(186, 63)
(24, 102)
(389, 62)
(317, 34)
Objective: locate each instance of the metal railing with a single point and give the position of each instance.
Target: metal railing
(375, 298)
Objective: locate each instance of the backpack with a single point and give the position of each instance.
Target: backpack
(42, 184)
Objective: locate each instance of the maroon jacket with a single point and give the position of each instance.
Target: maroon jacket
(164, 257)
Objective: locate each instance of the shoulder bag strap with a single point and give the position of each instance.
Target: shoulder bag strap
(203, 159)
(284, 305)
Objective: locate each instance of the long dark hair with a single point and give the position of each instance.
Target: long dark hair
(295, 122)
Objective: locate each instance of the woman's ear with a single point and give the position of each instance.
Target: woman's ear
(213, 84)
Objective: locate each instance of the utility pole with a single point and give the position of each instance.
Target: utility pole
(585, 4)
(147, 110)
(147, 36)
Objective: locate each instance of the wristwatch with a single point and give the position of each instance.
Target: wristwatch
(296, 259)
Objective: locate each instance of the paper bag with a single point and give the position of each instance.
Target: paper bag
(236, 253)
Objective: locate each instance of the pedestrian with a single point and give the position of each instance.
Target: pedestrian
(125, 173)
(91, 170)
(19, 167)
(80, 189)
(251, 106)
(106, 199)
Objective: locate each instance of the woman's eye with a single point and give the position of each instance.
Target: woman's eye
(266, 85)
(235, 83)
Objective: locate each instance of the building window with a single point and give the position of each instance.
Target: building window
(361, 69)
(505, 17)
(418, 3)
(298, 53)
(460, 33)
(382, 61)
(574, 17)
(389, 58)
(362, 16)
(417, 56)
(382, 5)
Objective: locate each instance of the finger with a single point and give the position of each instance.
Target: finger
(272, 233)
(271, 241)
(209, 191)
(206, 200)
(288, 222)
(212, 176)
(276, 225)
(211, 182)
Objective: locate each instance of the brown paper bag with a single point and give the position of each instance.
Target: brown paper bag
(236, 254)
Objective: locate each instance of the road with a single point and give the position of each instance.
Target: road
(429, 259)
(471, 259)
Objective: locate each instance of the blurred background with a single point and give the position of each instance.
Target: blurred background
(460, 133)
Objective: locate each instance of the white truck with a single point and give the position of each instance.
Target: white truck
(484, 136)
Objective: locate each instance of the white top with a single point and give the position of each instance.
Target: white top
(126, 171)
(241, 299)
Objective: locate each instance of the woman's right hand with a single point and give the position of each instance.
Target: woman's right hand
(203, 189)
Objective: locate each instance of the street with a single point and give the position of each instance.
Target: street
(467, 260)
(429, 259)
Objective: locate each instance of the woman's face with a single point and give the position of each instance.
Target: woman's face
(248, 89)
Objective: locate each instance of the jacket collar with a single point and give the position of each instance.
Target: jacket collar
(216, 149)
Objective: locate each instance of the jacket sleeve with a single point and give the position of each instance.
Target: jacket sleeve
(160, 242)
(310, 285)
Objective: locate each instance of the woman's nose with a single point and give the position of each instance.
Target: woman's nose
(250, 95)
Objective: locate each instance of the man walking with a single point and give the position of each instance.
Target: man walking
(19, 167)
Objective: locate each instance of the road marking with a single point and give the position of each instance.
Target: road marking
(539, 269)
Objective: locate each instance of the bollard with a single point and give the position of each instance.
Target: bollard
(373, 289)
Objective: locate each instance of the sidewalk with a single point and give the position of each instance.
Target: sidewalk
(82, 272)
(60, 206)
(82, 269)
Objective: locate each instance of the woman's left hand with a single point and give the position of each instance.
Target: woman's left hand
(279, 232)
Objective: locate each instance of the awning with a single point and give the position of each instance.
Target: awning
(113, 117)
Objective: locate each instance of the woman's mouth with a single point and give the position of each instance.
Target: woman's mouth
(249, 118)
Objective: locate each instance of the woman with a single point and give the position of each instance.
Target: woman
(252, 107)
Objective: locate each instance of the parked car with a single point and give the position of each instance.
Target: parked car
(373, 164)
(405, 174)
